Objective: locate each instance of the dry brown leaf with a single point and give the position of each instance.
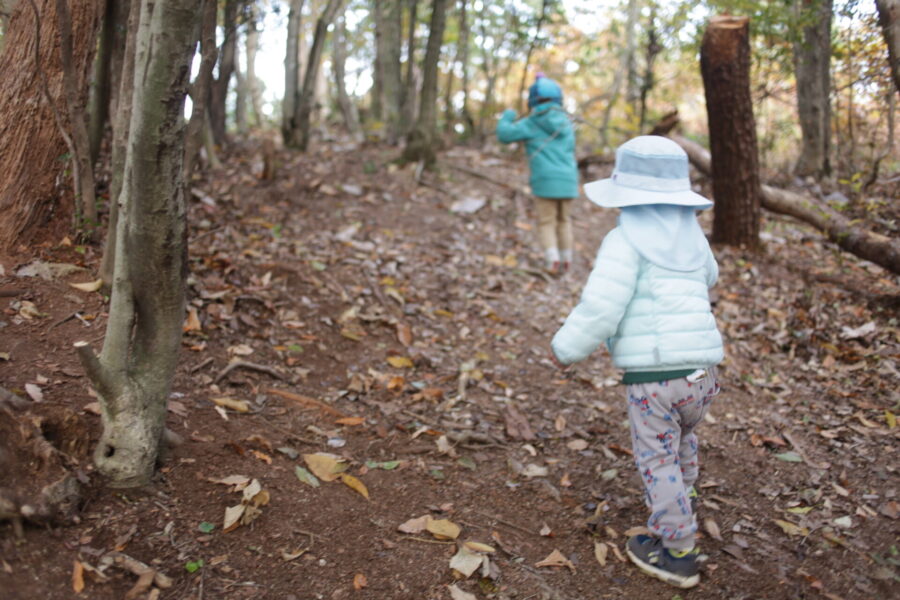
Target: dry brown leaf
(479, 547)
(400, 362)
(637, 530)
(616, 551)
(326, 467)
(404, 334)
(88, 286)
(577, 445)
(443, 529)
(192, 321)
(712, 528)
(790, 528)
(601, 551)
(145, 580)
(414, 526)
(546, 531)
(458, 594)
(237, 405)
(466, 562)
(238, 482)
(359, 581)
(233, 516)
(307, 401)
(262, 456)
(78, 577)
(355, 484)
(556, 559)
(288, 556)
(350, 421)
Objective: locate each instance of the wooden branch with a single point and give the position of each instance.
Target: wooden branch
(307, 401)
(849, 236)
(474, 173)
(243, 364)
(95, 371)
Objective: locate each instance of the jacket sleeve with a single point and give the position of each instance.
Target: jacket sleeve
(712, 270)
(509, 130)
(603, 302)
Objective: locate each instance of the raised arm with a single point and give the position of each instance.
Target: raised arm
(509, 130)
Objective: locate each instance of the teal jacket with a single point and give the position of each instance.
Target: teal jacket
(550, 143)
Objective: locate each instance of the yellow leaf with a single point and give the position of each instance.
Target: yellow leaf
(192, 322)
(326, 467)
(237, 405)
(443, 529)
(262, 456)
(89, 286)
(78, 577)
(355, 484)
(790, 528)
(352, 421)
(891, 419)
(479, 547)
(400, 362)
(359, 581)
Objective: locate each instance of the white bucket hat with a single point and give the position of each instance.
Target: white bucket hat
(650, 169)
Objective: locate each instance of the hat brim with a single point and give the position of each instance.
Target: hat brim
(607, 194)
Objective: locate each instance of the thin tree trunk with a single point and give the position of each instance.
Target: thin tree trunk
(812, 67)
(531, 46)
(100, 87)
(339, 58)
(193, 137)
(242, 95)
(421, 142)
(392, 84)
(889, 18)
(291, 72)
(31, 141)
(725, 66)
(121, 126)
(653, 49)
(83, 165)
(252, 47)
(622, 71)
(219, 85)
(408, 97)
(117, 56)
(464, 65)
(134, 372)
(303, 111)
(376, 107)
(847, 234)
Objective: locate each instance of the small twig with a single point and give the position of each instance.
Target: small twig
(161, 580)
(505, 522)
(243, 364)
(473, 173)
(202, 364)
(427, 541)
(306, 400)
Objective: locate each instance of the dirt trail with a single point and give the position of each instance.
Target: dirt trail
(345, 283)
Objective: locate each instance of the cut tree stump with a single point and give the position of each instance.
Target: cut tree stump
(868, 245)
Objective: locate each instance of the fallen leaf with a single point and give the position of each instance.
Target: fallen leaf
(34, 392)
(577, 445)
(616, 551)
(517, 426)
(414, 526)
(458, 594)
(556, 559)
(238, 482)
(359, 581)
(546, 531)
(890, 418)
(306, 477)
(712, 528)
(233, 516)
(355, 484)
(465, 561)
(88, 286)
(790, 528)
(192, 321)
(601, 550)
(479, 547)
(145, 581)
(533, 470)
(240, 350)
(404, 334)
(388, 465)
(443, 529)
(78, 577)
(789, 456)
(350, 421)
(287, 556)
(637, 530)
(206, 527)
(261, 456)
(400, 362)
(241, 406)
(890, 509)
(326, 467)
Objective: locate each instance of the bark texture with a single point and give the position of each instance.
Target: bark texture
(421, 142)
(725, 65)
(134, 372)
(871, 246)
(388, 56)
(100, 86)
(219, 86)
(408, 97)
(339, 60)
(291, 71)
(31, 142)
(193, 138)
(889, 18)
(812, 68)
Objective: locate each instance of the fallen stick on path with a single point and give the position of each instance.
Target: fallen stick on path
(307, 401)
(243, 364)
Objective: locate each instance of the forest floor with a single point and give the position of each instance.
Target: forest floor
(387, 324)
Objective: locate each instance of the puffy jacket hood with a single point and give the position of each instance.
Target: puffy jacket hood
(668, 236)
(551, 118)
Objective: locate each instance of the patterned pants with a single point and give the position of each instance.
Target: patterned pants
(663, 416)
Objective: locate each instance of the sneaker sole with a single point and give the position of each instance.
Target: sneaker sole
(670, 578)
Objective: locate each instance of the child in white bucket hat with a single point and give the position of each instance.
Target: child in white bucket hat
(647, 298)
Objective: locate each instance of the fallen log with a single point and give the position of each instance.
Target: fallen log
(849, 236)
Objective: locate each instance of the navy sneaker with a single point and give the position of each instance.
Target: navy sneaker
(675, 568)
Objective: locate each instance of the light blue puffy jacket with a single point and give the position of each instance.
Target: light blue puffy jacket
(652, 318)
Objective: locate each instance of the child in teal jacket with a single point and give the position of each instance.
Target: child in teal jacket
(550, 144)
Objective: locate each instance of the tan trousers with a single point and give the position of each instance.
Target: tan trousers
(554, 223)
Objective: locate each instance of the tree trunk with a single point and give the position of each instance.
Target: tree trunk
(303, 110)
(725, 66)
(464, 65)
(812, 67)
(622, 71)
(653, 49)
(193, 137)
(376, 107)
(117, 57)
(121, 126)
(252, 47)
(421, 141)
(133, 374)
(339, 58)
(392, 82)
(219, 85)
(242, 95)
(537, 33)
(874, 247)
(291, 72)
(408, 97)
(31, 141)
(83, 166)
(100, 86)
(889, 17)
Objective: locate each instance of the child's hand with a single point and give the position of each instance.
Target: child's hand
(556, 362)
